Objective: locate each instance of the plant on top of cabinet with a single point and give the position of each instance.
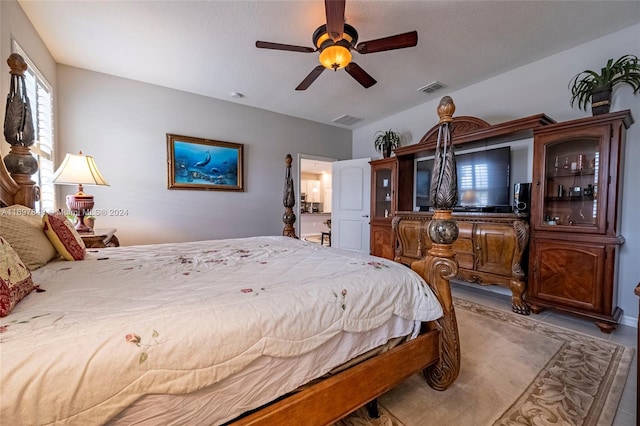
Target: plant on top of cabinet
(384, 142)
(597, 87)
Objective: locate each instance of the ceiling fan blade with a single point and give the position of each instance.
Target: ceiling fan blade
(310, 78)
(279, 46)
(335, 18)
(360, 75)
(399, 41)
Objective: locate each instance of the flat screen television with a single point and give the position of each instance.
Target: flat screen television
(483, 181)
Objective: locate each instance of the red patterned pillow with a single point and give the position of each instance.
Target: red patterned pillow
(15, 278)
(64, 237)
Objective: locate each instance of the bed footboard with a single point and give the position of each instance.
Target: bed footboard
(333, 398)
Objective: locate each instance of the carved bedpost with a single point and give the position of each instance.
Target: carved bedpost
(19, 133)
(440, 264)
(289, 200)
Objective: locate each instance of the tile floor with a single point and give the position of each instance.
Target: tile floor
(625, 335)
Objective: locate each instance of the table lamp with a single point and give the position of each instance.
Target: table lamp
(79, 169)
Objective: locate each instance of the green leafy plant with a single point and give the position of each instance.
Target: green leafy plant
(624, 70)
(385, 141)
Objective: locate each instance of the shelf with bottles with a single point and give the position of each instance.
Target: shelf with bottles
(575, 192)
(578, 216)
(566, 159)
(570, 198)
(571, 173)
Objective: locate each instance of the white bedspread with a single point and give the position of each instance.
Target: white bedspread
(175, 318)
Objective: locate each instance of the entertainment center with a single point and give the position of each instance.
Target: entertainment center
(555, 245)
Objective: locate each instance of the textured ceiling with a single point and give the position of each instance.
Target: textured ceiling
(208, 47)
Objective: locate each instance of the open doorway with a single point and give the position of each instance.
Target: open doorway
(314, 199)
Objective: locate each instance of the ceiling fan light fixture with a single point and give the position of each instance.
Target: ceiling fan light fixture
(335, 57)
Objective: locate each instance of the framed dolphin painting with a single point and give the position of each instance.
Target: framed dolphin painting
(196, 163)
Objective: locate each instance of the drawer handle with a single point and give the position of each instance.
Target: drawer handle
(478, 247)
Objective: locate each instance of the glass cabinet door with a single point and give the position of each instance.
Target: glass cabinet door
(571, 185)
(383, 190)
(383, 193)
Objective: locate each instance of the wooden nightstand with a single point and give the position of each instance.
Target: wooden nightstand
(101, 238)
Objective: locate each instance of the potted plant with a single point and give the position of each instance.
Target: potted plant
(385, 141)
(597, 87)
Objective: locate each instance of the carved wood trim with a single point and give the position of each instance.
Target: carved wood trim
(437, 272)
(465, 129)
(17, 187)
(521, 229)
(8, 187)
(458, 126)
(289, 200)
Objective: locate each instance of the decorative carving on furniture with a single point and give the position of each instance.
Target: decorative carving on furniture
(521, 229)
(289, 200)
(440, 264)
(438, 271)
(472, 129)
(19, 133)
(443, 192)
(459, 126)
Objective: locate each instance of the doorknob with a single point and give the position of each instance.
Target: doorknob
(365, 215)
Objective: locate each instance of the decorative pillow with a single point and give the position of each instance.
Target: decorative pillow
(22, 228)
(64, 237)
(15, 278)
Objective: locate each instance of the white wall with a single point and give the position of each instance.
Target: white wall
(541, 87)
(123, 124)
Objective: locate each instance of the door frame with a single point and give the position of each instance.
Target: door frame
(298, 174)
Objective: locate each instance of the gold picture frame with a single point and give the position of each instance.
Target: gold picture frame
(204, 164)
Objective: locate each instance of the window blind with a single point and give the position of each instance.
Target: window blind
(40, 96)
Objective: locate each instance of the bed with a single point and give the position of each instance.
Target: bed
(261, 330)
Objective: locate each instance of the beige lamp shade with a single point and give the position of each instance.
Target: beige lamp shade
(79, 169)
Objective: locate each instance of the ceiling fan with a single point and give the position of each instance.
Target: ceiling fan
(335, 40)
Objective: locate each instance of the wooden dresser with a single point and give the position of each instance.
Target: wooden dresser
(489, 249)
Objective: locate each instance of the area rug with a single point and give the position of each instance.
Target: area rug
(515, 371)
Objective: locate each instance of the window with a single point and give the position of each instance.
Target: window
(40, 96)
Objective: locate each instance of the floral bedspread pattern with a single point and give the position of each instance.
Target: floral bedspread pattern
(174, 318)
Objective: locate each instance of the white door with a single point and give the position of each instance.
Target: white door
(351, 205)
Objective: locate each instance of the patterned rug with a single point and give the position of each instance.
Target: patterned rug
(515, 371)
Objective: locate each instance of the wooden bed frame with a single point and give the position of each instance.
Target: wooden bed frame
(435, 352)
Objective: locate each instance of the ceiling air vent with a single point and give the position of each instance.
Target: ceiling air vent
(346, 120)
(432, 87)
